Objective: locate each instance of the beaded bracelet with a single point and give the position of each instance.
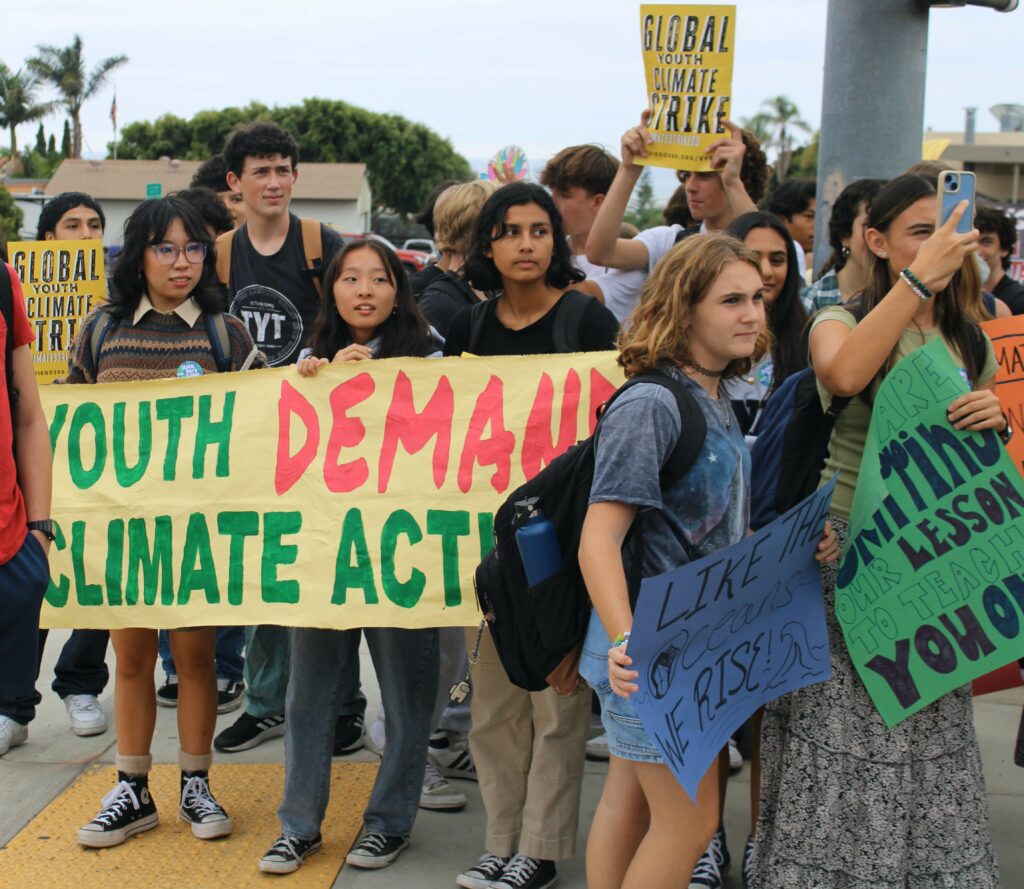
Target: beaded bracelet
(917, 285)
(621, 639)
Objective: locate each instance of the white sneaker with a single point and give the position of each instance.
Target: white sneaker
(86, 715)
(735, 759)
(11, 734)
(437, 793)
(597, 748)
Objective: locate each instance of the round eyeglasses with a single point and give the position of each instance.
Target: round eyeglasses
(167, 254)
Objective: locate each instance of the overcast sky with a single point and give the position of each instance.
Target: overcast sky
(540, 73)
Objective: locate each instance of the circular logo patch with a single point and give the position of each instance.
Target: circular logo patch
(190, 369)
(765, 373)
(272, 319)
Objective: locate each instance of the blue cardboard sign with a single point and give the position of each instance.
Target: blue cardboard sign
(718, 638)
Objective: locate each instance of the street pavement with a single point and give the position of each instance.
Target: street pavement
(444, 843)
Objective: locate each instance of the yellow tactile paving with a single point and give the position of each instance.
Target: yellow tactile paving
(45, 855)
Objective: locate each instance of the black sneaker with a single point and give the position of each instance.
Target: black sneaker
(348, 734)
(247, 732)
(127, 810)
(523, 872)
(376, 850)
(229, 694)
(482, 874)
(167, 694)
(287, 854)
(200, 809)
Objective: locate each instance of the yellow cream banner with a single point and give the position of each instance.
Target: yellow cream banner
(688, 58)
(361, 497)
(62, 282)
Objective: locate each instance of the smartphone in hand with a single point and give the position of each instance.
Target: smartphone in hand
(955, 186)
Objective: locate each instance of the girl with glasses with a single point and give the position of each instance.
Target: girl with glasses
(164, 319)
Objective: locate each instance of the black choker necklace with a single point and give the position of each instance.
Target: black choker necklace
(697, 368)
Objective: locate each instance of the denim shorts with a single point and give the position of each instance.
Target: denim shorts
(627, 738)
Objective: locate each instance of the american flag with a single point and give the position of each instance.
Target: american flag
(113, 111)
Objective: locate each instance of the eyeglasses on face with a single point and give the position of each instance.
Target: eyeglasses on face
(167, 254)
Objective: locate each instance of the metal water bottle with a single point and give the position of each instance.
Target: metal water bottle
(537, 541)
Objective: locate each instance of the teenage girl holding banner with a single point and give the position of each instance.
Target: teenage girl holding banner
(701, 319)
(847, 802)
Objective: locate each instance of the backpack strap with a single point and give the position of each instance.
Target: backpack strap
(7, 310)
(220, 340)
(569, 320)
(479, 315)
(223, 250)
(313, 249)
(97, 336)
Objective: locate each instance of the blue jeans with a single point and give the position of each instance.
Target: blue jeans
(406, 662)
(82, 665)
(23, 582)
(228, 653)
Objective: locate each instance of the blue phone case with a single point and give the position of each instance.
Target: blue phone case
(953, 187)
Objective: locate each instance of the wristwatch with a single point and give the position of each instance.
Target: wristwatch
(45, 526)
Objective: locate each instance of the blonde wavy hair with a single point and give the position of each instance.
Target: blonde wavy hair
(456, 211)
(659, 329)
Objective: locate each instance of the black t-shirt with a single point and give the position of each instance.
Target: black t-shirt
(442, 299)
(274, 295)
(1010, 292)
(421, 279)
(597, 333)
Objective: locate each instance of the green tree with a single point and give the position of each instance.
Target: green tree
(782, 118)
(404, 159)
(804, 163)
(18, 103)
(644, 211)
(51, 147)
(41, 140)
(65, 141)
(759, 125)
(11, 217)
(64, 68)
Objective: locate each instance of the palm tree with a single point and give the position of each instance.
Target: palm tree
(18, 104)
(781, 118)
(64, 67)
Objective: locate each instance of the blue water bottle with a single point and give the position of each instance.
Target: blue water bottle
(537, 542)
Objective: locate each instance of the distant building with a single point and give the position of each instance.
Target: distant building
(336, 194)
(996, 159)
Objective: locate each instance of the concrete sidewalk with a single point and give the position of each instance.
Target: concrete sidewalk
(446, 842)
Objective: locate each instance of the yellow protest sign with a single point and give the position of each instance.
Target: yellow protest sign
(688, 57)
(361, 497)
(62, 282)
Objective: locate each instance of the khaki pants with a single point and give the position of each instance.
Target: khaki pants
(529, 753)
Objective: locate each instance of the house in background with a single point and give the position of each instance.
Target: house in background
(336, 194)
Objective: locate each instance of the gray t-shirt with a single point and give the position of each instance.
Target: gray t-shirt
(704, 511)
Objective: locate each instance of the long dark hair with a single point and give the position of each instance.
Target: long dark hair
(404, 333)
(147, 226)
(786, 315)
(480, 270)
(894, 198)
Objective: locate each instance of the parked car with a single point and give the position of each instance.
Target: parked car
(424, 244)
(413, 260)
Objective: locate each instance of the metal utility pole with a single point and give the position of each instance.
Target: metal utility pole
(872, 117)
(872, 107)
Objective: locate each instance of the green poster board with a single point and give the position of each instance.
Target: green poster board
(931, 584)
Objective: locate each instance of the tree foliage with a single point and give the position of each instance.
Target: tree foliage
(11, 217)
(64, 68)
(404, 159)
(18, 103)
(644, 213)
(780, 117)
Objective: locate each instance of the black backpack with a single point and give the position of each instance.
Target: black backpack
(538, 630)
(793, 438)
(569, 312)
